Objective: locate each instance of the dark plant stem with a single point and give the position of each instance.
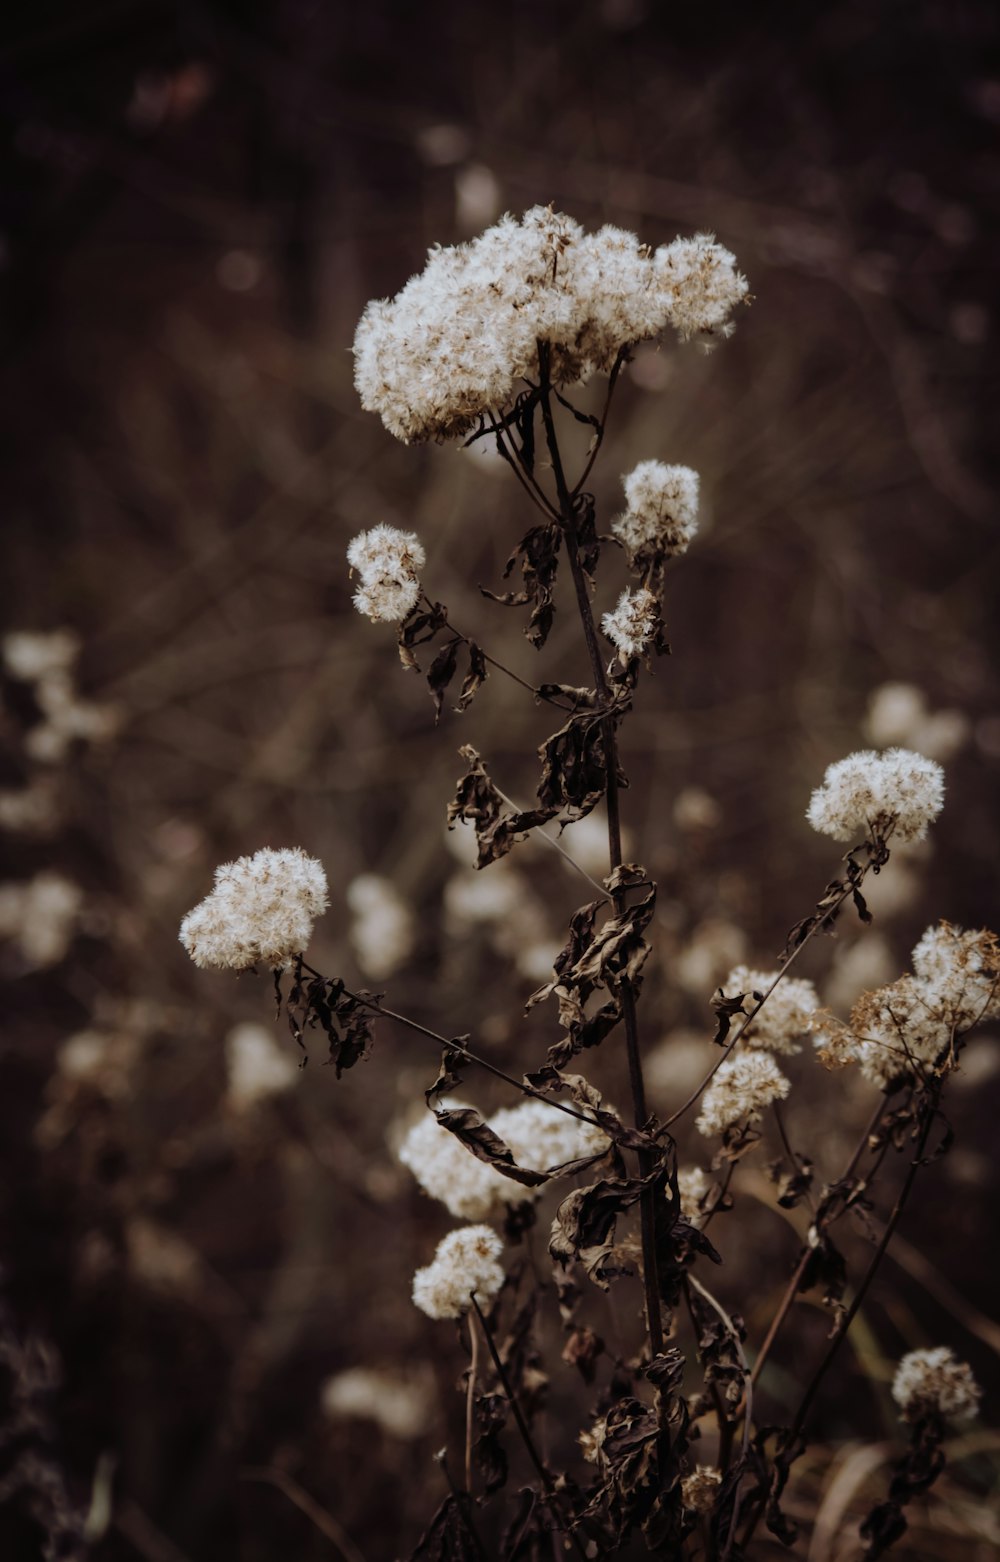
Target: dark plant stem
(647, 1206)
(798, 1425)
(524, 1429)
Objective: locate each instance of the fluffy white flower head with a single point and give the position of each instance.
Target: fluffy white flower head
(466, 1263)
(785, 1017)
(467, 1187)
(661, 514)
(458, 340)
(633, 623)
(961, 973)
(543, 1138)
(744, 1085)
(261, 911)
(897, 791)
(934, 1381)
(388, 561)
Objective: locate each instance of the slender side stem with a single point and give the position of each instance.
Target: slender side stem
(463, 1051)
(599, 436)
(647, 1206)
(869, 1275)
(525, 1431)
(746, 1404)
(526, 478)
(798, 1425)
(470, 1399)
(507, 671)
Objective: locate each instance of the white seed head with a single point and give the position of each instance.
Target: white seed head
(466, 1263)
(261, 911)
(633, 623)
(388, 562)
(867, 792)
(456, 343)
(784, 1019)
(693, 1186)
(934, 1381)
(744, 1085)
(661, 514)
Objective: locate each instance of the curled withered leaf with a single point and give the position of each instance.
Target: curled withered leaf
(474, 678)
(488, 1451)
(467, 1125)
(417, 628)
(627, 875)
(449, 1075)
(726, 1010)
(586, 1218)
(617, 950)
(581, 699)
(449, 1536)
(584, 1094)
(719, 1348)
(575, 766)
(440, 673)
(477, 802)
(582, 1350)
(538, 556)
(345, 1020)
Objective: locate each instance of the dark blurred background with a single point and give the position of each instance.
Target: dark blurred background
(201, 1247)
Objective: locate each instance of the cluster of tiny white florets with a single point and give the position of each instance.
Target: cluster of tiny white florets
(633, 623)
(785, 1017)
(389, 562)
(459, 338)
(661, 514)
(700, 1489)
(261, 911)
(692, 1186)
(744, 1085)
(466, 1262)
(896, 792)
(539, 1136)
(911, 1025)
(934, 1381)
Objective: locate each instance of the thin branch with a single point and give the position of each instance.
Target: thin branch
(525, 1431)
(324, 1521)
(599, 438)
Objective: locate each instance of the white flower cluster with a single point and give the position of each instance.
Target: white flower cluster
(700, 1489)
(912, 1023)
(633, 623)
(661, 514)
(466, 1262)
(389, 562)
(785, 1017)
(898, 713)
(744, 1085)
(399, 1405)
(455, 343)
(261, 910)
(540, 1138)
(934, 1381)
(896, 791)
(256, 1067)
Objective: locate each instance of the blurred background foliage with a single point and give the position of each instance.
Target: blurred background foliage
(197, 200)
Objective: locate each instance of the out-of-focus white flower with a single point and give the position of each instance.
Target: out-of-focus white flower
(31, 656)
(540, 1136)
(256, 1066)
(466, 1263)
(858, 968)
(261, 911)
(456, 342)
(784, 1019)
(696, 809)
(41, 916)
(693, 1185)
(961, 973)
(898, 714)
(898, 792)
(700, 1489)
(714, 947)
(388, 562)
(382, 930)
(935, 1381)
(744, 1085)
(661, 514)
(399, 1405)
(633, 623)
